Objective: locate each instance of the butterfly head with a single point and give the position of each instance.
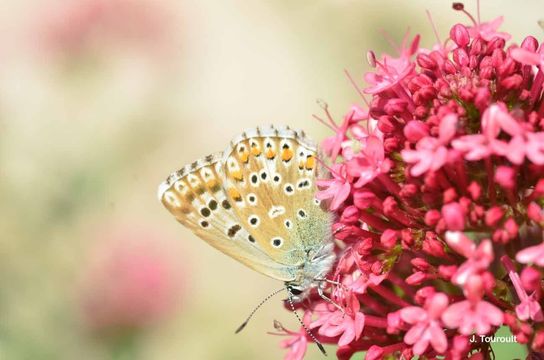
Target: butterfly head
(312, 273)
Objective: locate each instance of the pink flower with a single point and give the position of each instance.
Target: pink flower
(478, 258)
(473, 314)
(488, 30)
(494, 119)
(468, 317)
(391, 75)
(431, 153)
(427, 327)
(391, 71)
(359, 281)
(369, 163)
(348, 325)
(527, 57)
(337, 189)
(297, 343)
(532, 255)
(480, 146)
(529, 308)
(332, 145)
(522, 143)
(526, 144)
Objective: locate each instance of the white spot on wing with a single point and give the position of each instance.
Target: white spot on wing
(276, 211)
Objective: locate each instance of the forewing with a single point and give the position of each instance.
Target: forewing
(197, 199)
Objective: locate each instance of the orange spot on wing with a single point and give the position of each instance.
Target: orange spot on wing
(270, 154)
(234, 194)
(310, 162)
(237, 175)
(255, 150)
(286, 154)
(244, 156)
(213, 185)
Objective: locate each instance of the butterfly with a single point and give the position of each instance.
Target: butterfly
(256, 203)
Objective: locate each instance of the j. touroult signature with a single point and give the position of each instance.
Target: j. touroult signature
(493, 339)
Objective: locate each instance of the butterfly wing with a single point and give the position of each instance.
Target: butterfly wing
(270, 174)
(197, 199)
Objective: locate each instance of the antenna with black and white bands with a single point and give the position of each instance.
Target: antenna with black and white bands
(241, 327)
(290, 300)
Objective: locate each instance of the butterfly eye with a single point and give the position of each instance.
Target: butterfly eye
(295, 291)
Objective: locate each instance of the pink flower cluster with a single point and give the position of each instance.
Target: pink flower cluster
(439, 189)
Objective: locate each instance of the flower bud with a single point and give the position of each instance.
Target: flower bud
(529, 43)
(389, 238)
(431, 217)
(350, 215)
(534, 212)
(493, 216)
(530, 279)
(460, 57)
(420, 264)
(459, 34)
(453, 216)
(426, 62)
(415, 130)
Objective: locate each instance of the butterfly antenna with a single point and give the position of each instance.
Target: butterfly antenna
(319, 345)
(241, 327)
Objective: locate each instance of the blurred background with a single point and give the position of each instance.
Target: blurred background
(101, 99)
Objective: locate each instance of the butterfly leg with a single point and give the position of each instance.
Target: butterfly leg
(342, 227)
(329, 300)
(337, 283)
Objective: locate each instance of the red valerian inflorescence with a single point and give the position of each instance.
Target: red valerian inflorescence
(439, 189)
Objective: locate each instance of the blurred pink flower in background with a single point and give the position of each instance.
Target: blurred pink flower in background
(74, 26)
(133, 279)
